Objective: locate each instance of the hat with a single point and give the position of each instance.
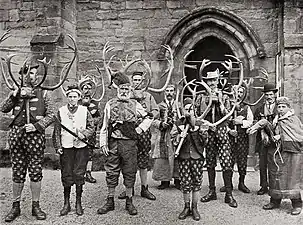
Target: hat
(33, 66)
(73, 88)
(120, 78)
(212, 74)
(187, 101)
(86, 80)
(269, 87)
(283, 100)
(137, 73)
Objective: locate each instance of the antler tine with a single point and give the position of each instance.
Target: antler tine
(182, 92)
(103, 86)
(184, 60)
(62, 72)
(62, 79)
(45, 65)
(5, 36)
(8, 63)
(265, 73)
(170, 60)
(5, 78)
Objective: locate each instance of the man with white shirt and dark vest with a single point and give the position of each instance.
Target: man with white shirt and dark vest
(87, 85)
(33, 112)
(243, 119)
(74, 124)
(118, 141)
(266, 111)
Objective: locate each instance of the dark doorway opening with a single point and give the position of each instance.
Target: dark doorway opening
(211, 48)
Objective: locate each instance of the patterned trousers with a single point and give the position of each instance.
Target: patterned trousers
(144, 147)
(218, 144)
(240, 147)
(191, 174)
(27, 151)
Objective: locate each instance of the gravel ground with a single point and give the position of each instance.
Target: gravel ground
(164, 210)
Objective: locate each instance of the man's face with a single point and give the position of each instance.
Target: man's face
(33, 75)
(241, 92)
(282, 109)
(270, 97)
(87, 90)
(73, 98)
(169, 93)
(212, 83)
(137, 80)
(124, 91)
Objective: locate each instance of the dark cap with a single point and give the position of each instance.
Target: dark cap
(119, 78)
(269, 87)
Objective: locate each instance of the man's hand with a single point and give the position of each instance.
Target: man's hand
(138, 130)
(81, 136)
(238, 120)
(29, 127)
(276, 137)
(60, 151)
(233, 133)
(104, 150)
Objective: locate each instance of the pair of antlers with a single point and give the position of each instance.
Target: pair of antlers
(13, 81)
(147, 77)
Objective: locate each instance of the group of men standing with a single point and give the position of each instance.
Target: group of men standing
(126, 141)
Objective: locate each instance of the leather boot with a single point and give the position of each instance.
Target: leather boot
(145, 193)
(66, 207)
(163, 185)
(273, 204)
(186, 211)
(89, 178)
(297, 206)
(108, 206)
(227, 177)
(79, 209)
(211, 195)
(122, 195)
(195, 213)
(37, 212)
(130, 207)
(13, 213)
(242, 186)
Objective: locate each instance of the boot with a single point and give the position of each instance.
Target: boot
(108, 206)
(66, 208)
(242, 186)
(163, 185)
(177, 183)
(296, 206)
(130, 207)
(186, 211)
(211, 195)
(262, 191)
(145, 193)
(88, 177)
(37, 212)
(195, 213)
(79, 209)
(122, 195)
(227, 177)
(273, 204)
(223, 189)
(14, 212)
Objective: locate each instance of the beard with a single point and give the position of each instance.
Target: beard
(123, 96)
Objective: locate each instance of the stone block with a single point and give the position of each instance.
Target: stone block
(138, 4)
(83, 25)
(106, 15)
(105, 5)
(162, 13)
(136, 14)
(118, 5)
(27, 15)
(96, 24)
(14, 15)
(26, 6)
(87, 15)
(133, 46)
(179, 13)
(155, 4)
(208, 3)
(89, 6)
(112, 24)
(299, 25)
(293, 40)
(4, 15)
(173, 4)
(131, 23)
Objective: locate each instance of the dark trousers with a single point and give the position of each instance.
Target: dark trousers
(73, 165)
(122, 157)
(263, 164)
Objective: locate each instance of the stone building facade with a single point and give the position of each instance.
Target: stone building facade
(262, 33)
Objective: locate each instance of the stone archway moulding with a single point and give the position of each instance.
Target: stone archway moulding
(227, 22)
